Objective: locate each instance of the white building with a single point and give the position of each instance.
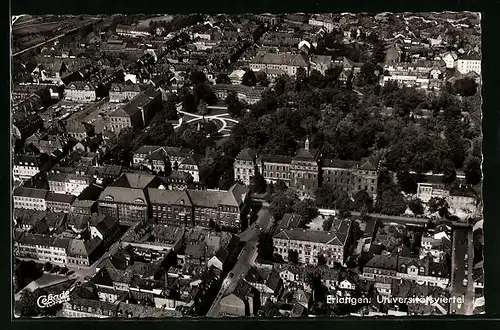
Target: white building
(426, 191)
(468, 64)
(30, 198)
(450, 59)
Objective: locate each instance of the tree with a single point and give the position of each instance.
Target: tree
(282, 203)
(223, 79)
(233, 104)
(440, 205)
(465, 86)
(47, 266)
(307, 210)
(379, 52)
(367, 74)
(327, 224)
(170, 110)
(189, 103)
(293, 256)
(265, 246)
(390, 201)
(407, 182)
(258, 184)
(197, 77)
(226, 180)
(202, 108)
(472, 169)
(363, 201)
(416, 206)
(249, 78)
(261, 79)
(28, 304)
(343, 205)
(325, 197)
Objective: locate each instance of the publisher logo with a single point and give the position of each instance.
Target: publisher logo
(50, 300)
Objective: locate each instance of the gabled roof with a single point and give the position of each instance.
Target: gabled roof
(282, 59)
(30, 192)
(306, 154)
(103, 223)
(383, 262)
(337, 163)
(315, 236)
(134, 180)
(268, 158)
(123, 195)
(83, 248)
(246, 154)
(168, 197)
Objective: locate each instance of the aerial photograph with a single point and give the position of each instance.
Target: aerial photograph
(258, 165)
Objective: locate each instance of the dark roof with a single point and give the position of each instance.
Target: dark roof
(383, 262)
(247, 154)
(30, 192)
(290, 221)
(103, 223)
(306, 154)
(134, 180)
(60, 198)
(168, 197)
(276, 159)
(337, 163)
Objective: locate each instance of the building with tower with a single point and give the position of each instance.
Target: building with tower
(304, 169)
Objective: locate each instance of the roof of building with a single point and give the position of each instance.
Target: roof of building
(290, 221)
(124, 87)
(306, 154)
(140, 101)
(79, 247)
(337, 163)
(315, 236)
(168, 197)
(103, 223)
(60, 198)
(279, 159)
(123, 195)
(383, 262)
(30, 192)
(134, 180)
(282, 59)
(246, 154)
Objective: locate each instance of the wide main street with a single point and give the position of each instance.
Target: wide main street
(246, 259)
(462, 263)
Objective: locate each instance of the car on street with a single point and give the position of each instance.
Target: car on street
(465, 282)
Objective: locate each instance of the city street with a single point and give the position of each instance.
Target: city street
(461, 272)
(246, 258)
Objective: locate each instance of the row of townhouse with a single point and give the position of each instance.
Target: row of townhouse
(312, 246)
(159, 158)
(458, 199)
(137, 113)
(27, 166)
(423, 271)
(250, 95)
(306, 171)
(463, 64)
(57, 250)
(422, 75)
(67, 251)
(138, 197)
